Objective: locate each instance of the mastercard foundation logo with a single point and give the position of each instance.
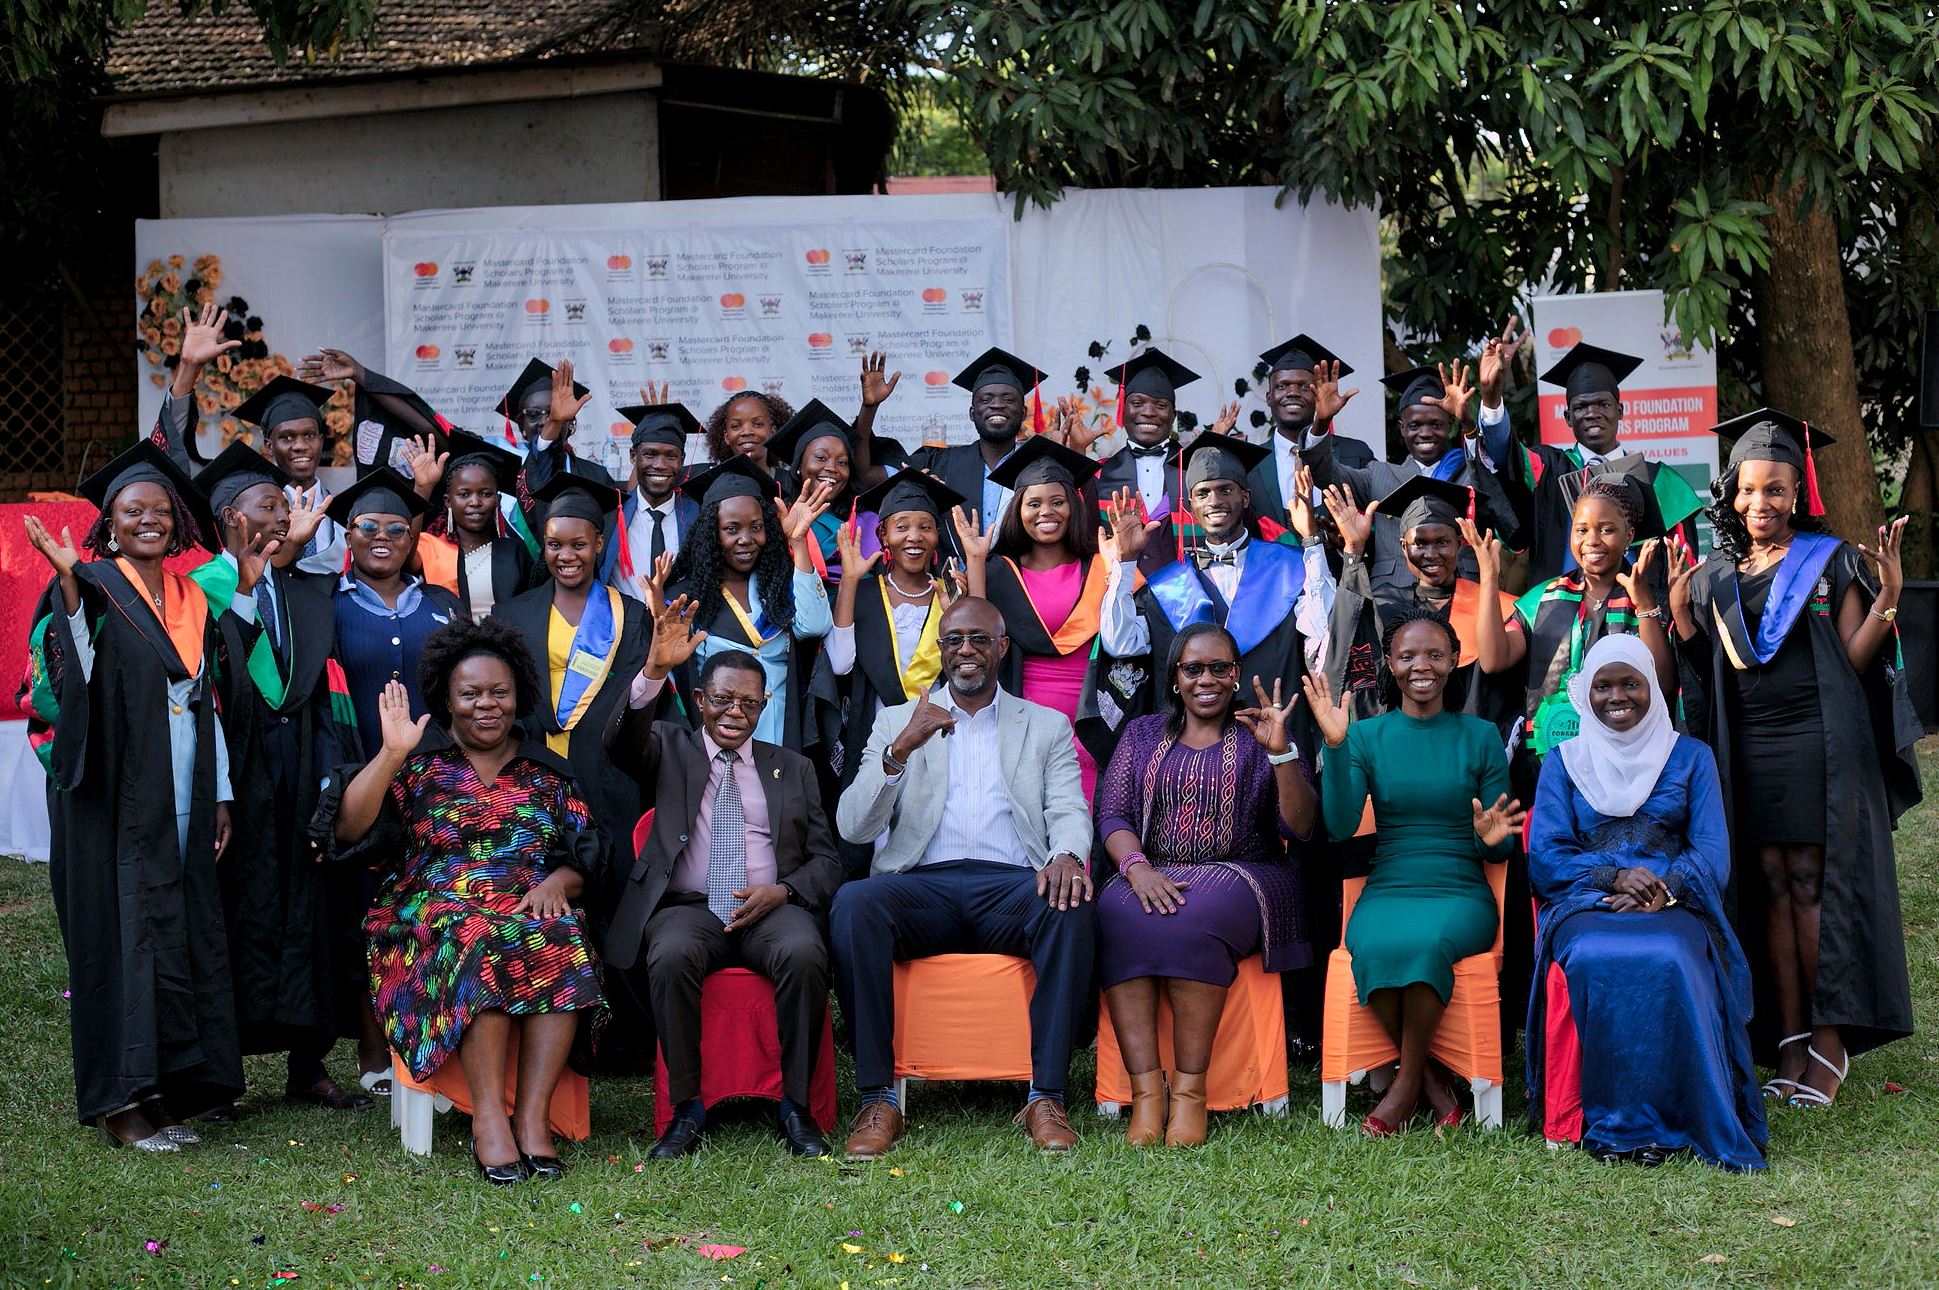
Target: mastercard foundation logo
(1564, 337)
(619, 263)
(426, 353)
(935, 378)
(934, 296)
(820, 340)
(819, 256)
(619, 345)
(733, 384)
(620, 429)
(425, 269)
(733, 300)
(538, 305)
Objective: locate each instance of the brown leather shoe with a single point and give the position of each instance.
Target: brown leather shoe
(875, 1128)
(1147, 1127)
(1186, 1127)
(1049, 1128)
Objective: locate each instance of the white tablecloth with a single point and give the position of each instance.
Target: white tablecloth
(23, 796)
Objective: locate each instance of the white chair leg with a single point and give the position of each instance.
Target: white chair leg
(414, 1111)
(1487, 1103)
(902, 1093)
(1333, 1104)
(396, 1102)
(1110, 1110)
(1277, 1107)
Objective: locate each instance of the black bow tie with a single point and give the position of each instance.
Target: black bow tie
(1155, 450)
(1207, 559)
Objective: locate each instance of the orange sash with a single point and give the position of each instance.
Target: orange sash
(1080, 628)
(439, 557)
(1465, 611)
(184, 616)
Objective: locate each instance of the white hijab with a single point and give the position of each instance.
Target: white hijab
(1617, 771)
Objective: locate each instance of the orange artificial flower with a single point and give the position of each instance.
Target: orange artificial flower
(175, 261)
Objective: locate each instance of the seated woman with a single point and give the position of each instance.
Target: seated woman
(485, 846)
(1193, 803)
(1629, 856)
(1427, 903)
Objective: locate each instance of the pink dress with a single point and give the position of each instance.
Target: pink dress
(1057, 681)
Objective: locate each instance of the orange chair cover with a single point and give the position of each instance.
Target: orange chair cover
(740, 1049)
(571, 1113)
(963, 1016)
(1248, 1054)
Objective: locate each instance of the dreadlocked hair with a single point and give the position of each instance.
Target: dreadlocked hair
(1731, 536)
(701, 568)
(778, 409)
(1617, 495)
(185, 534)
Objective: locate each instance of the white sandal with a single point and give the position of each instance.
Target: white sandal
(375, 1083)
(1771, 1089)
(1808, 1096)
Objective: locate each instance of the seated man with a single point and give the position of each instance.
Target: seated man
(986, 831)
(736, 873)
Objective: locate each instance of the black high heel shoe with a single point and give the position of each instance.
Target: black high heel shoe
(537, 1167)
(500, 1175)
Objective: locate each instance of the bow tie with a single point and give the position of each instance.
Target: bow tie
(1206, 559)
(1155, 450)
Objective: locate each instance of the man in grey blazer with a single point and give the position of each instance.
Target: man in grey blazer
(986, 828)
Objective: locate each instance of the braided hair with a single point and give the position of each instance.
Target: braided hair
(1731, 536)
(701, 567)
(778, 409)
(1618, 495)
(1394, 626)
(184, 534)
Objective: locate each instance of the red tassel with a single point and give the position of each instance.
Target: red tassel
(1471, 506)
(1120, 406)
(1036, 403)
(1180, 512)
(511, 432)
(443, 425)
(1814, 504)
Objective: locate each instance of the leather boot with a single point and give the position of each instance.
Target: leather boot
(1147, 1127)
(1187, 1116)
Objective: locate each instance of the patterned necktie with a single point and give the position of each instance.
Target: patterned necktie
(272, 621)
(727, 844)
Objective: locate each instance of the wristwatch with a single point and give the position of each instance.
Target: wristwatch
(1280, 759)
(1885, 615)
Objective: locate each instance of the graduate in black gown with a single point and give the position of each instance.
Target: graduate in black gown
(1003, 397)
(295, 944)
(1149, 463)
(125, 671)
(474, 548)
(1791, 653)
(816, 446)
(1293, 372)
(544, 403)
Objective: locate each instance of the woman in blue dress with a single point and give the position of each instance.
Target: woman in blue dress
(1629, 856)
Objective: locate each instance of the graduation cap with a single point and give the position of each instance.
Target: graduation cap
(1042, 460)
(1427, 500)
(915, 490)
(147, 464)
(1218, 456)
(1591, 369)
(1153, 372)
(667, 423)
(1415, 385)
(1301, 354)
(235, 470)
(468, 449)
(537, 375)
(285, 399)
(738, 476)
(815, 421)
(575, 497)
(381, 492)
(1630, 472)
(998, 367)
(1770, 435)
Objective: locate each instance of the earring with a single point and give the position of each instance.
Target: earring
(1174, 689)
(114, 543)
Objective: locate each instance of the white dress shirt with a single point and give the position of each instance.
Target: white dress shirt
(639, 541)
(976, 823)
(1151, 481)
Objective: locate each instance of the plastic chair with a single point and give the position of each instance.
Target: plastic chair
(1248, 1067)
(962, 1017)
(414, 1103)
(740, 1050)
(1354, 1046)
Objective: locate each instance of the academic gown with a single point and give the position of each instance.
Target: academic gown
(799, 731)
(544, 460)
(1031, 636)
(295, 938)
(1871, 779)
(1120, 471)
(1361, 613)
(152, 1005)
(961, 468)
(513, 570)
(387, 440)
(1263, 481)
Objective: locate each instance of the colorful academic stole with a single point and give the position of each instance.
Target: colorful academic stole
(926, 659)
(1268, 587)
(343, 709)
(1794, 586)
(1451, 464)
(37, 697)
(1555, 716)
(1079, 627)
(218, 579)
(184, 616)
(757, 629)
(1464, 611)
(591, 657)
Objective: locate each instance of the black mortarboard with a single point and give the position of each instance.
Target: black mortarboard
(1427, 500)
(998, 367)
(1153, 372)
(146, 464)
(735, 477)
(1770, 435)
(815, 421)
(667, 423)
(1042, 460)
(1630, 472)
(1415, 384)
(285, 399)
(575, 497)
(537, 375)
(381, 492)
(468, 449)
(235, 470)
(1218, 456)
(1590, 369)
(911, 490)
(1300, 354)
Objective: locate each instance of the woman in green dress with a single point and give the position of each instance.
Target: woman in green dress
(1427, 902)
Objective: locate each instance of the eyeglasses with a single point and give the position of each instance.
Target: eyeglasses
(370, 529)
(1222, 669)
(725, 703)
(976, 640)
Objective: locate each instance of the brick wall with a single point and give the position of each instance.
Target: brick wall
(99, 410)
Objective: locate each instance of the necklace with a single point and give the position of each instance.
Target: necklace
(912, 595)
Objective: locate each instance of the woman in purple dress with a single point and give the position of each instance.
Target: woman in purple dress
(1196, 808)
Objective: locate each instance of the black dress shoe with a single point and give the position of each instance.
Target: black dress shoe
(221, 1113)
(801, 1135)
(682, 1138)
(543, 1166)
(500, 1175)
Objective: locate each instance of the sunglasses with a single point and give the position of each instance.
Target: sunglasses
(1223, 669)
(370, 529)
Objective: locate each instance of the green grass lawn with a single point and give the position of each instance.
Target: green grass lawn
(1849, 1199)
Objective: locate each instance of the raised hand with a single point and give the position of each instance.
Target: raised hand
(1887, 556)
(1495, 824)
(306, 516)
(1075, 430)
(202, 341)
(1635, 581)
(651, 394)
(1330, 716)
(1682, 569)
(1299, 507)
(1487, 552)
(427, 464)
(810, 506)
(1454, 379)
(925, 723)
(970, 535)
(1267, 721)
(653, 585)
(394, 718)
(1497, 356)
(674, 637)
(1227, 419)
(62, 555)
(254, 556)
(1328, 398)
(330, 365)
(1129, 531)
(876, 388)
(565, 403)
(1354, 522)
(848, 549)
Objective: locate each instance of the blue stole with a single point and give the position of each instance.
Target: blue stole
(1791, 586)
(592, 642)
(1268, 586)
(1452, 463)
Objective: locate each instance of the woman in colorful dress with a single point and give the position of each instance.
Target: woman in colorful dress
(485, 848)
(1647, 1054)
(1196, 809)
(1791, 641)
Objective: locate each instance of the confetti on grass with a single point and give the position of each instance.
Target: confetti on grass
(720, 1251)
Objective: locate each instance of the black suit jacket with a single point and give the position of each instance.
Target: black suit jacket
(673, 763)
(1263, 482)
(960, 467)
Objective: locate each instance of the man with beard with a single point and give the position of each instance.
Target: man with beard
(997, 382)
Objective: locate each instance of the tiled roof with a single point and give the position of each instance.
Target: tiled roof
(165, 53)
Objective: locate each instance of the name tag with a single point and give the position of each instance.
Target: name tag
(585, 664)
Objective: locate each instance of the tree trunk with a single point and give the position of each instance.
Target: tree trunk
(1804, 336)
